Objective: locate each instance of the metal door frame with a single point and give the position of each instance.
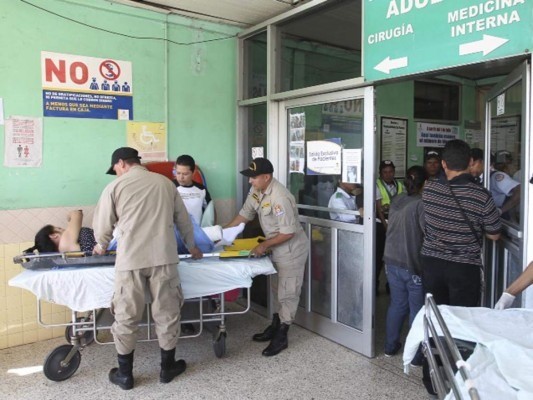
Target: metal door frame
(515, 241)
(361, 341)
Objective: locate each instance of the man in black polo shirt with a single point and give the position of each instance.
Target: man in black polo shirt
(458, 213)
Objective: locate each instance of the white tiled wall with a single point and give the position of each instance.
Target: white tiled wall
(18, 307)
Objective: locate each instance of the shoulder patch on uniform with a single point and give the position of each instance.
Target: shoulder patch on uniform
(278, 210)
(338, 195)
(499, 177)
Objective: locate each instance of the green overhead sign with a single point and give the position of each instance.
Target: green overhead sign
(403, 37)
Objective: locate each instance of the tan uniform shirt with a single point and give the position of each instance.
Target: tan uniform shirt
(277, 213)
(144, 207)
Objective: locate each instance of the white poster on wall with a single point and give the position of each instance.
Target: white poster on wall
(435, 135)
(394, 142)
(23, 142)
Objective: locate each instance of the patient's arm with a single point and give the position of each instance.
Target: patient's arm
(69, 238)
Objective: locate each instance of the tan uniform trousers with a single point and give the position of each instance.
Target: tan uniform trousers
(286, 287)
(129, 302)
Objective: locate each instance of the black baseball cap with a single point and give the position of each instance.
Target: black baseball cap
(386, 163)
(432, 154)
(122, 153)
(258, 166)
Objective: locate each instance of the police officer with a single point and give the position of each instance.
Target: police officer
(285, 238)
(143, 207)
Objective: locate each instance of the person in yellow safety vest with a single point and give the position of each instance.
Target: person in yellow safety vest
(386, 188)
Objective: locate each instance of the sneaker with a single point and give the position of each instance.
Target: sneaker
(394, 351)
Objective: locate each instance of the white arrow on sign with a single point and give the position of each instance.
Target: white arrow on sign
(486, 45)
(387, 64)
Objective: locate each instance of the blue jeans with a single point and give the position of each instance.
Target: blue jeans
(406, 298)
(203, 242)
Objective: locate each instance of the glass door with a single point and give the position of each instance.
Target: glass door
(327, 142)
(509, 151)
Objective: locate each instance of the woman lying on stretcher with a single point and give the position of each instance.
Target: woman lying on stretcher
(51, 239)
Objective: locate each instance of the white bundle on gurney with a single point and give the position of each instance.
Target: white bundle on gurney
(502, 362)
(84, 289)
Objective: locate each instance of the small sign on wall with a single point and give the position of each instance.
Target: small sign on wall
(435, 135)
(23, 146)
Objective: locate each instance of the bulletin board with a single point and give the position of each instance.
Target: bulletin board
(393, 143)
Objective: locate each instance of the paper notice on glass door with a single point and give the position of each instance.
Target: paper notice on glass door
(23, 142)
(351, 165)
(296, 143)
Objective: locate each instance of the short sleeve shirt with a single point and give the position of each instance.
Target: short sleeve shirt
(277, 212)
(501, 186)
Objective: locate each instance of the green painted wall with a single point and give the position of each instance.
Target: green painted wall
(196, 98)
(397, 100)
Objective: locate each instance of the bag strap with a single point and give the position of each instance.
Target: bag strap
(480, 242)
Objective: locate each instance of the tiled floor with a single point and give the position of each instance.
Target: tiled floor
(311, 368)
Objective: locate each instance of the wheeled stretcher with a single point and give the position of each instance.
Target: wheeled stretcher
(85, 285)
(474, 352)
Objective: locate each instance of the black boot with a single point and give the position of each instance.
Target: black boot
(170, 368)
(123, 375)
(269, 332)
(279, 342)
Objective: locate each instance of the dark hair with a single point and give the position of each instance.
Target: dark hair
(131, 161)
(43, 243)
(187, 161)
(456, 153)
(414, 179)
(477, 154)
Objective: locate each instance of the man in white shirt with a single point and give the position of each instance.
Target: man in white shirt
(343, 199)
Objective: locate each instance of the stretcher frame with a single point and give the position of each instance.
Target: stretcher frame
(443, 377)
(63, 361)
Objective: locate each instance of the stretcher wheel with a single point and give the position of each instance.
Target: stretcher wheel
(86, 338)
(219, 344)
(54, 369)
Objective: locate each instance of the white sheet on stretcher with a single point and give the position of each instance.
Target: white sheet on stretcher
(502, 363)
(84, 289)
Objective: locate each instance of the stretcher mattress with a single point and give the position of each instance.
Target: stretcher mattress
(84, 289)
(502, 362)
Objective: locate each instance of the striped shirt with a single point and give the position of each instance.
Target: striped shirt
(448, 234)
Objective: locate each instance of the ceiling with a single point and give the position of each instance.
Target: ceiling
(242, 13)
(333, 25)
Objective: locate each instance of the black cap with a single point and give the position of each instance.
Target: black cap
(122, 153)
(432, 154)
(258, 166)
(386, 163)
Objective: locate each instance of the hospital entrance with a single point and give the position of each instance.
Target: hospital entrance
(485, 104)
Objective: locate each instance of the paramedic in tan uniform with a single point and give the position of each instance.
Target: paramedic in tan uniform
(143, 207)
(287, 241)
